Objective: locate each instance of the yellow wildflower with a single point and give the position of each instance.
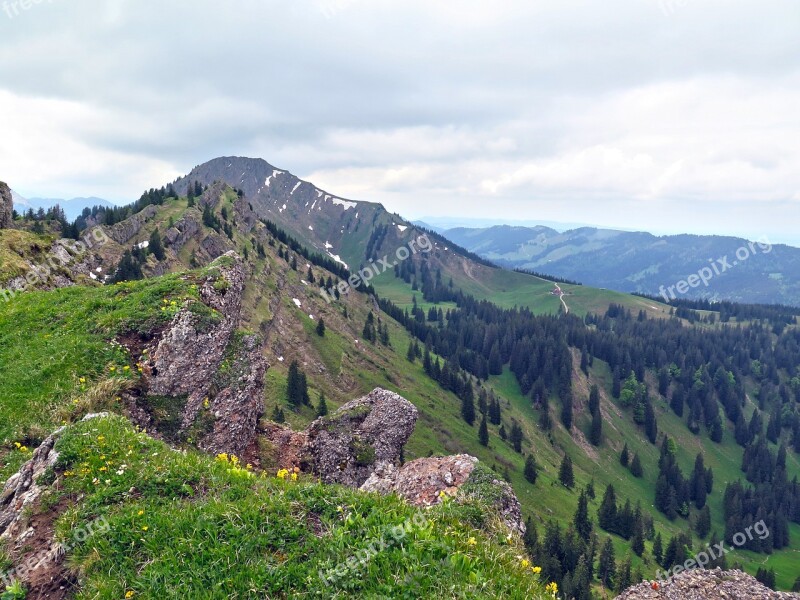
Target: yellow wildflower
(294, 476)
(140, 513)
(536, 570)
(145, 528)
(129, 594)
(472, 541)
(112, 369)
(552, 587)
(126, 368)
(525, 563)
(82, 379)
(282, 474)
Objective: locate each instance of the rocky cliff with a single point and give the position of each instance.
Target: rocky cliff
(6, 206)
(201, 364)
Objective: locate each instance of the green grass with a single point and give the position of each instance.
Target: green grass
(56, 346)
(197, 527)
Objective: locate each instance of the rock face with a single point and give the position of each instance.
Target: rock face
(362, 436)
(421, 482)
(701, 584)
(6, 206)
(360, 446)
(125, 230)
(184, 364)
(23, 488)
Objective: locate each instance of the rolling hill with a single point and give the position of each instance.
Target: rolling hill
(643, 263)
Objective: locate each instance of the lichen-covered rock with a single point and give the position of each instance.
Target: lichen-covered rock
(363, 435)
(239, 405)
(422, 482)
(185, 364)
(6, 207)
(703, 584)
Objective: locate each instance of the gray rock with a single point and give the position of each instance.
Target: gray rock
(362, 436)
(6, 206)
(186, 359)
(127, 229)
(422, 482)
(702, 584)
(23, 489)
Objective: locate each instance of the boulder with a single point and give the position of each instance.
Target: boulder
(363, 435)
(426, 481)
(6, 206)
(705, 584)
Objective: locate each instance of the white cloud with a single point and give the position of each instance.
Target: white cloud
(608, 112)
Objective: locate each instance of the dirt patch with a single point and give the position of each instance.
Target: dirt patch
(50, 580)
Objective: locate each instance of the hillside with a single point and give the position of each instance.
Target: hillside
(53, 339)
(643, 263)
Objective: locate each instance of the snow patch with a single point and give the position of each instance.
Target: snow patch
(280, 359)
(297, 302)
(144, 244)
(402, 227)
(274, 175)
(310, 228)
(328, 245)
(311, 317)
(338, 260)
(347, 205)
(294, 189)
(92, 275)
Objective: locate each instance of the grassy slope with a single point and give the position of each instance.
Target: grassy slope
(548, 499)
(188, 500)
(198, 523)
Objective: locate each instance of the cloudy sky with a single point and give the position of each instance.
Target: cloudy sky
(663, 115)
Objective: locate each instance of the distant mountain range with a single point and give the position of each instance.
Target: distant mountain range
(73, 207)
(644, 263)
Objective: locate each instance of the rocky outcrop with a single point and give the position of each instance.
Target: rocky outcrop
(361, 444)
(6, 206)
(702, 584)
(126, 230)
(421, 481)
(184, 363)
(177, 236)
(25, 487)
(426, 481)
(363, 435)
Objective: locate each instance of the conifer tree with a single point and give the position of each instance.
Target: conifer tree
(483, 432)
(565, 474)
(531, 469)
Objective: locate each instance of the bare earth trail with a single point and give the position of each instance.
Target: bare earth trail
(560, 295)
